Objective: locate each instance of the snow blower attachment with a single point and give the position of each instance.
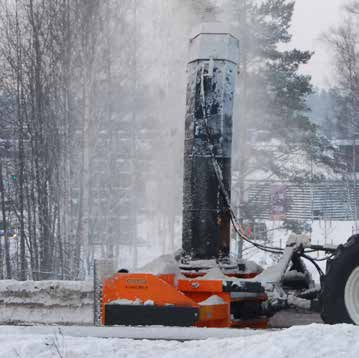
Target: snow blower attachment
(202, 295)
(204, 287)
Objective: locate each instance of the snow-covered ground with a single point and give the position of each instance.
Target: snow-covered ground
(304, 341)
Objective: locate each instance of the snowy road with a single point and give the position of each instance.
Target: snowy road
(137, 333)
(304, 341)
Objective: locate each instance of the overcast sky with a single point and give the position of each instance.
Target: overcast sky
(311, 19)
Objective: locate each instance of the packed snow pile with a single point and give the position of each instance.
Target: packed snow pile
(214, 273)
(47, 302)
(312, 341)
(213, 300)
(136, 302)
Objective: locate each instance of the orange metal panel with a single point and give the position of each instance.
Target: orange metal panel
(161, 290)
(169, 278)
(144, 287)
(214, 316)
(200, 285)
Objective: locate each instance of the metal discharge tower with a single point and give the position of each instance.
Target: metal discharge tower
(212, 72)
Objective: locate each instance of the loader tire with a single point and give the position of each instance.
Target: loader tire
(339, 297)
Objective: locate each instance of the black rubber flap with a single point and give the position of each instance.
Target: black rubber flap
(138, 315)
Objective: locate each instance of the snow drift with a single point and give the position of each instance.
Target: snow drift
(312, 341)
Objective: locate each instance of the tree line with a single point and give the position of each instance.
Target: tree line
(57, 85)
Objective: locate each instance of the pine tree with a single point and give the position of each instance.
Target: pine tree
(272, 92)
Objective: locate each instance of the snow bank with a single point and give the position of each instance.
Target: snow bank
(213, 300)
(46, 302)
(312, 341)
(124, 301)
(162, 333)
(214, 273)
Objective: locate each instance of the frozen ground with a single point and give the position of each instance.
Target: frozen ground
(305, 341)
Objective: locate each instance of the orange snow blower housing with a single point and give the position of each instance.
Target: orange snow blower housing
(204, 286)
(147, 299)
